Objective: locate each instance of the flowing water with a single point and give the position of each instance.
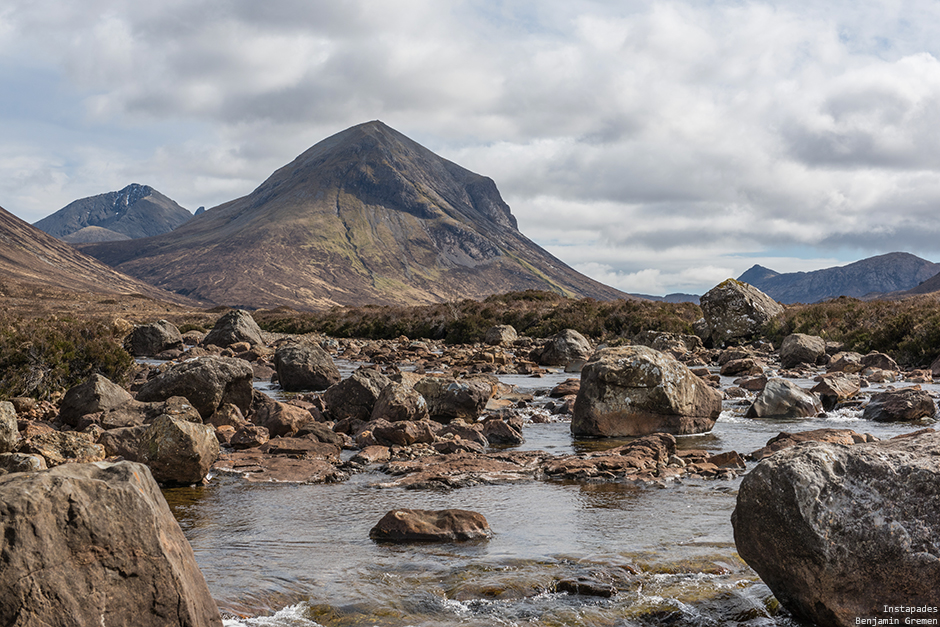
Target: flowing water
(285, 555)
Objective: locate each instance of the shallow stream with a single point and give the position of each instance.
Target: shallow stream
(285, 555)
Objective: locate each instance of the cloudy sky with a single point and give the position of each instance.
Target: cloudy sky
(656, 146)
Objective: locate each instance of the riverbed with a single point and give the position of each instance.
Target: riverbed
(287, 555)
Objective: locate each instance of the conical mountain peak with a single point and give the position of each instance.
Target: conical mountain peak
(364, 216)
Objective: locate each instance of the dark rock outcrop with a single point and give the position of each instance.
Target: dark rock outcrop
(420, 525)
(93, 544)
(842, 533)
(635, 390)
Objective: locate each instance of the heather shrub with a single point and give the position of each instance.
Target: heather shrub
(532, 312)
(40, 357)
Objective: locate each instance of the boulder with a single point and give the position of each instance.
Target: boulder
(147, 340)
(879, 361)
(567, 387)
(304, 367)
(249, 436)
(673, 343)
(227, 414)
(748, 367)
(421, 525)
(96, 394)
(398, 402)
(846, 362)
(783, 440)
(450, 399)
(904, 405)
(503, 431)
(735, 312)
(500, 335)
(635, 390)
(9, 431)
(178, 452)
(61, 447)
(837, 387)
(206, 382)
(20, 462)
(123, 442)
(355, 397)
(234, 327)
(96, 544)
(280, 419)
(562, 349)
(842, 534)
(402, 433)
(781, 398)
(799, 348)
(585, 586)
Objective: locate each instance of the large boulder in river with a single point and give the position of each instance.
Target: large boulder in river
(421, 525)
(449, 399)
(904, 405)
(782, 398)
(840, 533)
(837, 387)
(206, 382)
(562, 349)
(147, 340)
(735, 312)
(635, 390)
(354, 397)
(799, 348)
(304, 367)
(96, 394)
(96, 544)
(9, 433)
(235, 326)
(178, 452)
(398, 402)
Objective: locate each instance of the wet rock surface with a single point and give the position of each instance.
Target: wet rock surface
(840, 533)
(419, 525)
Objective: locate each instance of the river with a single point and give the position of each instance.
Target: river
(286, 555)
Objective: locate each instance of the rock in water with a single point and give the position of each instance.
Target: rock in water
(96, 544)
(421, 525)
(635, 390)
(840, 533)
(782, 398)
(235, 326)
(735, 312)
(903, 405)
(304, 367)
(178, 451)
(799, 348)
(562, 349)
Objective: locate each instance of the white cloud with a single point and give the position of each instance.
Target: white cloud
(656, 144)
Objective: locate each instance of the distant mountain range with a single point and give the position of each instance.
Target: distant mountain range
(366, 216)
(30, 258)
(134, 212)
(894, 272)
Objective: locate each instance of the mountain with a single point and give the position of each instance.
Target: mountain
(135, 211)
(32, 258)
(884, 273)
(366, 216)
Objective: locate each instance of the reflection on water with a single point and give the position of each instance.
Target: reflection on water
(297, 555)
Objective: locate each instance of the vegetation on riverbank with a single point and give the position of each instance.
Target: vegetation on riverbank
(907, 330)
(531, 312)
(40, 357)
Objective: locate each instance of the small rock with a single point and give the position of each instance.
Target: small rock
(419, 525)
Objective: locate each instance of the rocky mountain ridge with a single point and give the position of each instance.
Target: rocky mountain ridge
(131, 213)
(366, 216)
(892, 272)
